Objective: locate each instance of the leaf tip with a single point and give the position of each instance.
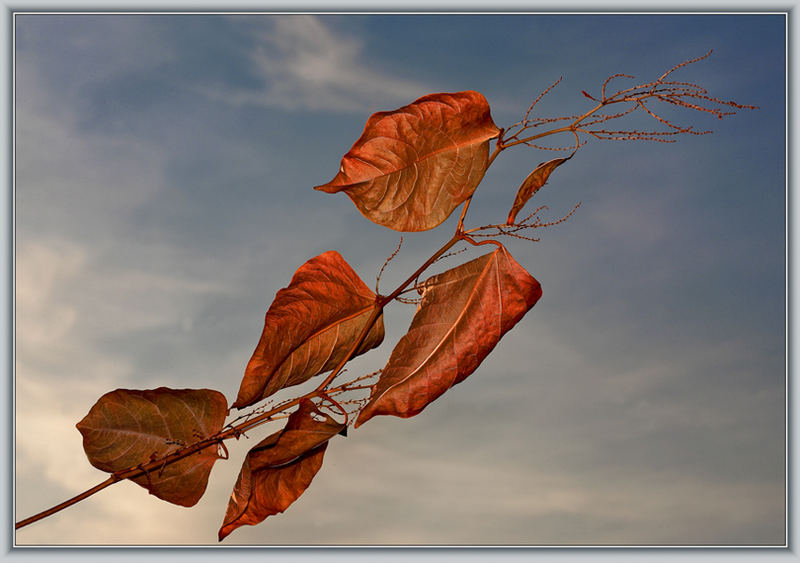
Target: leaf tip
(327, 188)
(363, 417)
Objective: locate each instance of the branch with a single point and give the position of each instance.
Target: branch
(682, 94)
(687, 95)
(236, 430)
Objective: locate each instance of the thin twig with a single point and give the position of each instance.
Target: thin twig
(386, 263)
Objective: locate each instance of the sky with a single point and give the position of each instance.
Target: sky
(163, 194)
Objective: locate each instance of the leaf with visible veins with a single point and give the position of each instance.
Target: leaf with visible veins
(280, 468)
(309, 328)
(413, 166)
(462, 316)
(126, 428)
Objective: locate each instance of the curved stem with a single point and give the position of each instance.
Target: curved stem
(336, 404)
(473, 242)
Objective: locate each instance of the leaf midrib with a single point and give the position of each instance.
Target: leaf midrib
(321, 331)
(427, 156)
(472, 295)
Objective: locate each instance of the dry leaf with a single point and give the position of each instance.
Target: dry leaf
(309, 327)
(280, 468)
(127, 427)
(412, 166)
(463, 314)
(532, 184)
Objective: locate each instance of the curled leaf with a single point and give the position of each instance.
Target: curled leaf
(462, 316)
(126, 428)
(309, 327)
(280, 468)
(532, 184)
(412, 166)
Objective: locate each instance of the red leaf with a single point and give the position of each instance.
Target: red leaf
(532, 184)
(127, 427)
(280, 468)
(462, 316)
(309, 327)
(588, 95)
(411, 167)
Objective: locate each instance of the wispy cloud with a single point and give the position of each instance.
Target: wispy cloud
(305, 64)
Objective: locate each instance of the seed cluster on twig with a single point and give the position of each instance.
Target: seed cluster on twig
(643, 97)
(531, 221)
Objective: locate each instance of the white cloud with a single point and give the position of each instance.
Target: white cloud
(305, 64)
(39, 269)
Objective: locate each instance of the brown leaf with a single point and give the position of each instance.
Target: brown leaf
(533, 184)
(309, 327)
(280, 468)
(462, 316)
(412, 166)
(127, 427)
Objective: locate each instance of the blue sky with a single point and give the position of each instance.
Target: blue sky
(164, 167)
